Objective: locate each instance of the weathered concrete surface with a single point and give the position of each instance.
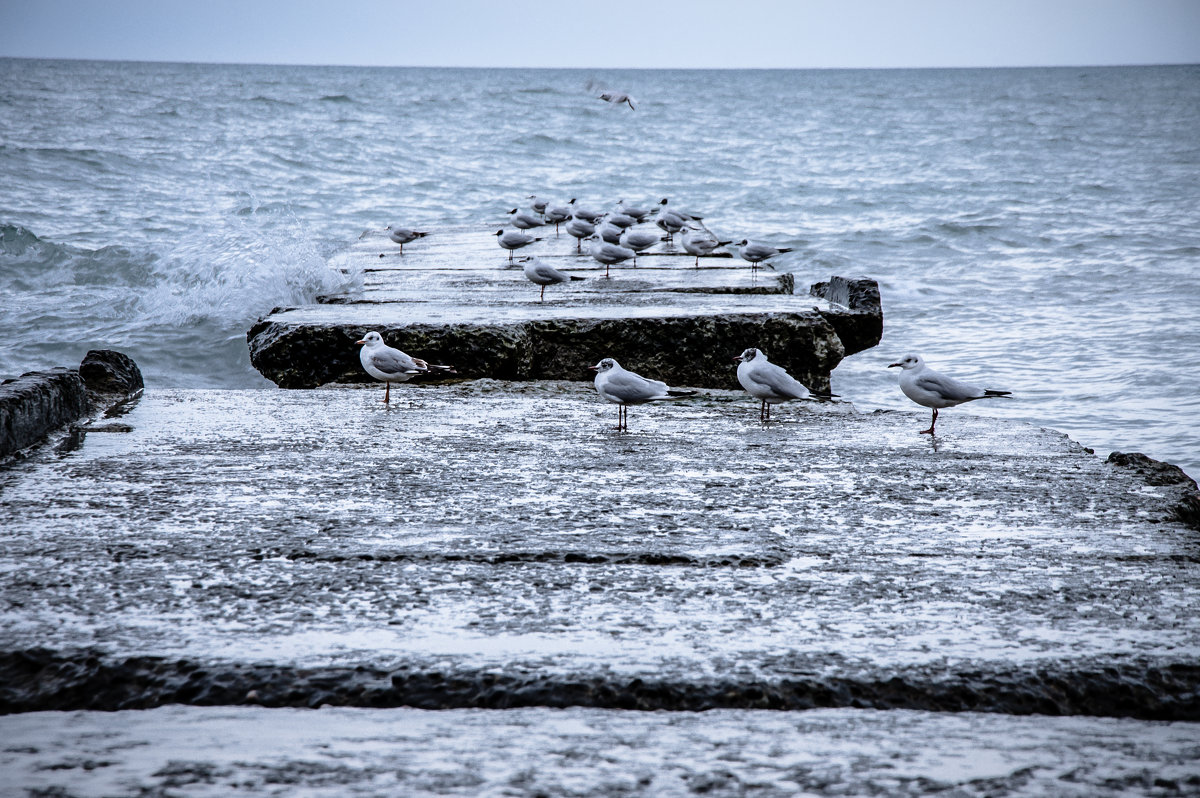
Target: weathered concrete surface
(496, 544)
(38, 403)
(584, 752)
(455, 298)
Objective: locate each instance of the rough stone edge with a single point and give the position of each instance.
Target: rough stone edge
(40, 680)
(39, 404)
(1186, 508)
(860, 324)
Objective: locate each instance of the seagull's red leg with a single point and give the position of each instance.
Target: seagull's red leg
(931, 424)
(387, 393)
(542, 298)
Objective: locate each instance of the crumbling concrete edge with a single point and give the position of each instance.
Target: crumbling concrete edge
(65, 403)
(1186, 507)
(1149, 689)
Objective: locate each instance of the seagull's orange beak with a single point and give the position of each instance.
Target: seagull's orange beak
(893, 365)
(359, 343)
(737, 358)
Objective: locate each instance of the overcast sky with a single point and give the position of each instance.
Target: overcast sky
(608, 34)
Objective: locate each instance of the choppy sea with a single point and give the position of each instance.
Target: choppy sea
(1035, 230)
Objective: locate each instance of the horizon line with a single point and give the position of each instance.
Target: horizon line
(602, 68)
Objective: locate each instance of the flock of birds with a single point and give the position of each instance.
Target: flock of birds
(613, 240)
(761, 378)
(612, 236)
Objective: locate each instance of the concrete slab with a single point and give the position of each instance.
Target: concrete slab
(502, 534)
(454, 297)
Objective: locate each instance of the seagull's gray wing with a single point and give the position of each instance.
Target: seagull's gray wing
(947, 388)
(779, 382)
(393, 361)
(544, 271)
(632, 388)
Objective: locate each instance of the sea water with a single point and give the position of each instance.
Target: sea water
(1032, 230)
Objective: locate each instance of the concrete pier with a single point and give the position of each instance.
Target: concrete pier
(454, 297)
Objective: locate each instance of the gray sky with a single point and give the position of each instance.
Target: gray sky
(661, 33)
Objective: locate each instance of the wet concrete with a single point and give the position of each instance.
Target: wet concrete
(497, 544)
(188, 751)
(455, 298)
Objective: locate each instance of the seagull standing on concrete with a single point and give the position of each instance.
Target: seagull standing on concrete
(932, 389)
(538, 205)
(524, 221)
(637, 213)
(514, 239)
(579, 229)
(756, 253)
(557, 214)
(580, 212)
(609, 232)
(624, 388)
(402, 235)
(541, 273)
(391, 365)
(638, 241)
(700, 242)
(764, 380)
(608, 254)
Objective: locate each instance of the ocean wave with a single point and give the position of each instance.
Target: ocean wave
(337, 98)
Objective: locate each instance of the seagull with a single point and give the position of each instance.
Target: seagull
(764, 380)
(514, 239)
(621, 220)
(687, 217)
(608, 254)
(617, 97)
(609, 232)
(538, 204)
(402, 235)
(391, 365)
(669, 220)
(580, 212)
(639, 240)
(700, 242)
(556, 214)
(637, 213)
(625, 388)
(543, 274)
(933, 389)
(580, 229)
(524, 220)
(756, 253)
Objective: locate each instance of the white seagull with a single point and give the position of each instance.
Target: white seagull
(391, 365)
(557, 214)
(638, 241)
(624, 388)
(608, 254)
(524, 221)
(609, 232)
(538, 204)
(756, 253)
(764, 380)
(514, 239)
(402, 235)
(637, 213)
(580, 212)
(700, 242)
(933, 389)
(541, 273)
(579, 229)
